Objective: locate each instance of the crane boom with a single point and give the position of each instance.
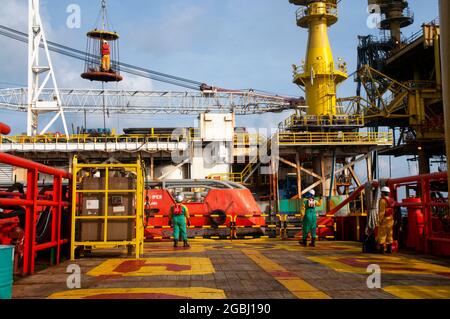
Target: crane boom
(151, 102)
(206, 98)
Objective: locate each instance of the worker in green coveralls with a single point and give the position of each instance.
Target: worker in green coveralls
(178, 218)
(310, 218)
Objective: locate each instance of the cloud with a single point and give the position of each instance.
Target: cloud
(14, 13)
(132, 82)
(174, 29)
(13, 53)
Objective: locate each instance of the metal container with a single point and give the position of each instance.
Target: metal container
(6, 271)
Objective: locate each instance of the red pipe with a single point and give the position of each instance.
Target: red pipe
(4, 129)
(50, 244)
(412, 179)
(23, 163)
(12, 194)
(396, 181)
(348, 200)
(8, 202)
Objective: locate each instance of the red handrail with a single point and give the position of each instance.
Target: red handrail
(352, 197)
(423, 182)
(23, 163)
(33, 204)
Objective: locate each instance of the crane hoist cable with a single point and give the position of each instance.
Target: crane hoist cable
(140, 71)
(125, 67)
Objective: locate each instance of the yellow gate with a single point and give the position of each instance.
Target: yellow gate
(107, 206)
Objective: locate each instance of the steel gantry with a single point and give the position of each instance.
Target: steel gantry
(36, 103)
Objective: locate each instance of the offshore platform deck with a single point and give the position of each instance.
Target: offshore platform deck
(244, 269)
(90, 214)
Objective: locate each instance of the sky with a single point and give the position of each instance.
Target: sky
(236, 44)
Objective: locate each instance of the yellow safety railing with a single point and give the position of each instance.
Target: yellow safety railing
(236, 177)
(311, 120)
(247, 139)
(87, 139)
(240, 139)
(329, 9)
(335, 138)
(137, 240)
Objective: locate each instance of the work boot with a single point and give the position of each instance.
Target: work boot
(175, 243)
(389, 249)
(303, 243)
(313, 243)
(186, 244)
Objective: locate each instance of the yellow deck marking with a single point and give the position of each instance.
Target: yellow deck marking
(419, 292)
(297, 286)
(193, 292)
(168, 249)
(179, 266)
(321, 246)
(389, 264)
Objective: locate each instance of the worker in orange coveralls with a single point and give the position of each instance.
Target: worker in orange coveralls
(106, 56)
(385, 222)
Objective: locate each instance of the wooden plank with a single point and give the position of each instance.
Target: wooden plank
(355, 177)
(299, 175)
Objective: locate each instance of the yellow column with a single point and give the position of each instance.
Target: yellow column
(74, 208)
(319, 76)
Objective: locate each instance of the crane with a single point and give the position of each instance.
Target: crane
(201, 97)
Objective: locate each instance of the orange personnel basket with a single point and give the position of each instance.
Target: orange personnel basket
(102, 53)
(94, 70)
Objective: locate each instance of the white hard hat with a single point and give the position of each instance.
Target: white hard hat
(385, 189)
(312, 192)
(179, 198)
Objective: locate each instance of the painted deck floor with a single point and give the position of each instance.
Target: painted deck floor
(254, 269)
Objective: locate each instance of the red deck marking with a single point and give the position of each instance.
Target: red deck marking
(135, 296)
(130, 266)
(135, 265)
(386, 265)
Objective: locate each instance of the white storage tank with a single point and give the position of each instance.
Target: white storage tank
(170, 172)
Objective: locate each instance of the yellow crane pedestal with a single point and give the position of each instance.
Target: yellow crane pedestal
(107, 207)
(318, 74)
